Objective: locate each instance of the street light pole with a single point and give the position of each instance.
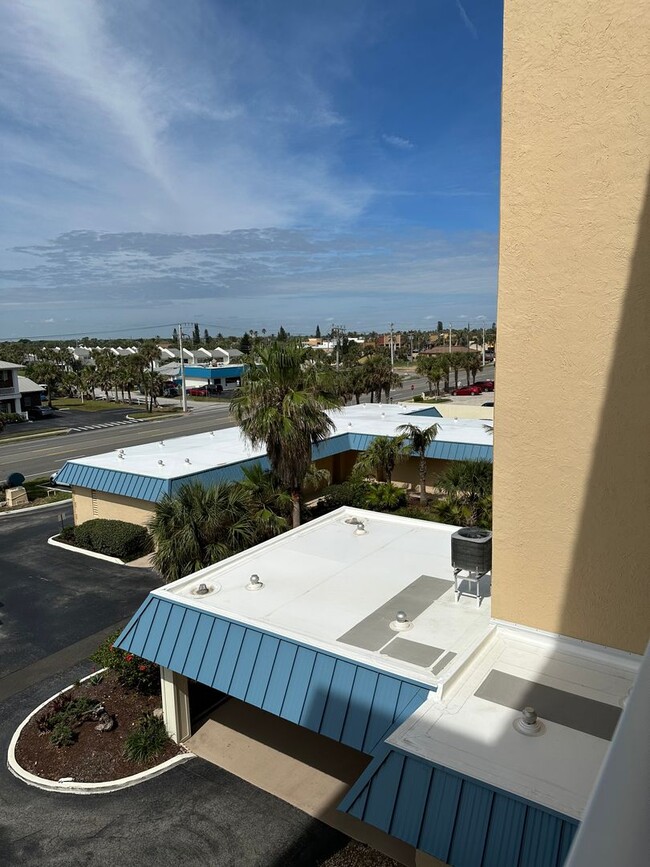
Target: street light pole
(482, 320)
(182, 361)
(392, 348)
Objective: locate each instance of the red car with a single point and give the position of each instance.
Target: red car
(467, 389)
(485, 384)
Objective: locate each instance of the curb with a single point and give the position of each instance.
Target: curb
(53, 541)
(72, 787)
(34, 508)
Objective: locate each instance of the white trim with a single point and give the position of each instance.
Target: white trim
(82, 788)
(116, 560)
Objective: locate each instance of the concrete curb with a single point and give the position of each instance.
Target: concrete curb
(30, 509)
(71, 787)
(53, 541)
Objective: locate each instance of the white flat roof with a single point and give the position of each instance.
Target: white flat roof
(220, 448)
(475, 735)
(322, 580)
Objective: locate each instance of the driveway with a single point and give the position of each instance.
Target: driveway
(51, 599)
(195, 814)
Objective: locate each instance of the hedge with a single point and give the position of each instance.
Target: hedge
(113, 538)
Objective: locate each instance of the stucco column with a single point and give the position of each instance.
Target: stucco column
(175, 704)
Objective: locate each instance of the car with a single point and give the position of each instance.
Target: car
(36, 412)
(488, 403)
(485, 384)
(467, 390)
(205, 390)
(170, 391)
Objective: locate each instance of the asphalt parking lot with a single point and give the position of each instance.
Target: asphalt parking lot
(196, 814)
(51, 598)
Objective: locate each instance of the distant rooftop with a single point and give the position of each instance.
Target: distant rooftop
(184, 456)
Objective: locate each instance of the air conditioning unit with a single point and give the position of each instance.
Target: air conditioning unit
(471, 550)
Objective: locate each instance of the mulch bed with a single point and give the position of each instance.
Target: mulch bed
(356, 854)
(95, 756)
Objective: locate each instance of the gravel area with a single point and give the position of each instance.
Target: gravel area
(359, 855)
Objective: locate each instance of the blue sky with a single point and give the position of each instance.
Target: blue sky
(246, 164)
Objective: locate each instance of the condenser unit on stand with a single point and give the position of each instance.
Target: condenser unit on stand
(471, 553)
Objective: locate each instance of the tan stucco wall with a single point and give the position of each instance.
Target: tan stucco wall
(406, 473)
(109, 506)
(571, 539)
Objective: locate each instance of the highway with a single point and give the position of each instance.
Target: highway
(42, 456)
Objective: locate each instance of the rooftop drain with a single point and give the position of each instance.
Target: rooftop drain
(205, 589)
(401, 622)
(254, 583)
(528, 723)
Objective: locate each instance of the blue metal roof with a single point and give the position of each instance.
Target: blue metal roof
(459, 820)
(152, 489)
(348, 702)
(430, 410)
(113, 481)
(210, 373)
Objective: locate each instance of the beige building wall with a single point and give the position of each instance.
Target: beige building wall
(571, 516)
(87, 504)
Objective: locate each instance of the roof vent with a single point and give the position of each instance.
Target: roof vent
(120, 454)
(401, 622)
(528, 723)
(471, 550)
(254, 583)
(161, 463)
(359, 526)
(211, 433)
(203, 589)
(161, 443)
(188, 461)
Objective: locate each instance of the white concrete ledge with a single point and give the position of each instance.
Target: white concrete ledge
(53, 541)
(75, 788)
(26, 510)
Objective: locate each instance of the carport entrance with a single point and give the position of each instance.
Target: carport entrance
(310, 771)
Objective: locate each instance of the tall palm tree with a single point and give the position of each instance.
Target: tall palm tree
(271, 504)
(468, 484)
(381, 457)
(199, 526)
(281, 405)
(420, 440)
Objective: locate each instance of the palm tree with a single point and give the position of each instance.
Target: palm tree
(420, 439)
(199, 526)
(381, 457)
(281, 405)
(271, 504)
(468, 485)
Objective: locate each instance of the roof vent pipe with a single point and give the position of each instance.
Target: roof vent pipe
(528, 723)
(161, 463)
(254, 583)
(401, 622)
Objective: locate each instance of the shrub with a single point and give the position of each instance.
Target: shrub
(11, 418)
(384, 498)
(67, 535)
(147, 741)
(132, 671)
(418, 398)
(351, 493)
(62, 735)
(114, 538)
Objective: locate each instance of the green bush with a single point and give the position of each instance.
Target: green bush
(351, 493)
(67, 535)
(147, 741)
(132, 671)
(114, 538)
(62, 735)
(384, 498)
(418, 398)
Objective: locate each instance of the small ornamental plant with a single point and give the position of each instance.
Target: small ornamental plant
(148, 739)
(132, 671)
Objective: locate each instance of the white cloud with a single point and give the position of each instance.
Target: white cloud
(398, 142)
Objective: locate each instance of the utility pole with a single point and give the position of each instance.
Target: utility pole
(392, 348)
(182, 360)
(338, 330)
(482, 321)
(450, 338)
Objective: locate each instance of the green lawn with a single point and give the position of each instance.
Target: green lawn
(37, 494)
(88, 405)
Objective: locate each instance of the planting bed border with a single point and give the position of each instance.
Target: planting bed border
(78, 788)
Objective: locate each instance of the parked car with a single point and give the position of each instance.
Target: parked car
(205, 390)
(467, 390)
(170, 391)
(488, 403)
(485, 384)
(36, 412)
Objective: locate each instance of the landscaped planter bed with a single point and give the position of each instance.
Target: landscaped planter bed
(94, 756)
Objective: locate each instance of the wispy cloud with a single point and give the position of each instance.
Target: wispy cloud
(397, 141)
(226, 276)
(467, 21)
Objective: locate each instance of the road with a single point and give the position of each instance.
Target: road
(40, 457)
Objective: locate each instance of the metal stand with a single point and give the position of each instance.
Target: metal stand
(471, 576)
